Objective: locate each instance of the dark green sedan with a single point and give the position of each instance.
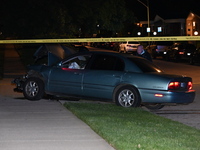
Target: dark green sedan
(127, 80)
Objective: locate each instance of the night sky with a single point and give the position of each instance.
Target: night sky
(164, 8)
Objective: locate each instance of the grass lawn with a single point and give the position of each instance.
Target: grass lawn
(135, 128)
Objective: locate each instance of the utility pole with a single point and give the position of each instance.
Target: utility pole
(147, 6)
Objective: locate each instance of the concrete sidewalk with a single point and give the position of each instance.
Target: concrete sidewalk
(39, 125)
(44, 125)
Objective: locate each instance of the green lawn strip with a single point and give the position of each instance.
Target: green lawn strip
(135, 128)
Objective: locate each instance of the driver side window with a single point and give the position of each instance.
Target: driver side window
(78, 62)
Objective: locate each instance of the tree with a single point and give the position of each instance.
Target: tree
(107, 16)
(62, 19)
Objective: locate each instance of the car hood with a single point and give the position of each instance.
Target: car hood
(53, 52)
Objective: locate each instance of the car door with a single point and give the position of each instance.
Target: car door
(102, 77)
(67, 78)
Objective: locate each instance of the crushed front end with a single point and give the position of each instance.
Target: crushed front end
(19, 82)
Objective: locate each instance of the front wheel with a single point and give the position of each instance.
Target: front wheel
(125, 51)
(33, 89)
(127, 96)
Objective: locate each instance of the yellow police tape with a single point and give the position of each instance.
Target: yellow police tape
(117, 39)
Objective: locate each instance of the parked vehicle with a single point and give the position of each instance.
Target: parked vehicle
(127, 80)
(128, 46)
(98, 44)
(180, 51)
(116, 46)
(158, 48)
(109, 45)
(195, 58)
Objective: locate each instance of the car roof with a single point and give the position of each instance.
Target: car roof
(113, 53)
(131, 66)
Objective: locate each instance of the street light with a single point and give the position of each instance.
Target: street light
(98, 27)
(147, 6)
(139, 33)
(196, 33)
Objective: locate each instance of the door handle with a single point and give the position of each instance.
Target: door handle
(116, 76)
(77, 73)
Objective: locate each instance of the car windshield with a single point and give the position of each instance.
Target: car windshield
(130, 42)
(145, 65)
(167, 43)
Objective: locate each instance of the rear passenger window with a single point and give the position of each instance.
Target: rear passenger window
(105, 62)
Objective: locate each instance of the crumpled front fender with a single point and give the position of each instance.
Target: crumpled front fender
(19, 82)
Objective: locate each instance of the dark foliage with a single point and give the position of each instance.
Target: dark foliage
(64, 18)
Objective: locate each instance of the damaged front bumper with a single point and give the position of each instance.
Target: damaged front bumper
(19, 82)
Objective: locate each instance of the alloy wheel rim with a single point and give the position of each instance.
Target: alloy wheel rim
(126, 98)
(32, 88)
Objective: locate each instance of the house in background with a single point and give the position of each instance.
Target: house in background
(185, 25)
(192, 24)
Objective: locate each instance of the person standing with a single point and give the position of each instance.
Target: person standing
(143, 53)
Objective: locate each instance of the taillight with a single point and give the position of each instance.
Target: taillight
(189, 85)
(181, 53)
(174, 85)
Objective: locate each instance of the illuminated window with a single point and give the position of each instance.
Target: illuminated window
(194, 23)
(159, 29)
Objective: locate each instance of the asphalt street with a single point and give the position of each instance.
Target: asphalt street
(186, 114)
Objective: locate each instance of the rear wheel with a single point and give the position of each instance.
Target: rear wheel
(127, 96)
(154, 54)
(33, 89)
(166, 57)
(191, 61)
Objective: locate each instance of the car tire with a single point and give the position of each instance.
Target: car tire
(177, 57)
(33, 89)
(125, 50)
(154, 106)
(127, 96)
(191, 61)
(166, 57)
